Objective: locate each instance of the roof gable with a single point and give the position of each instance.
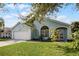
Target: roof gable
(56, 21)
(15, 25)
(20, 27)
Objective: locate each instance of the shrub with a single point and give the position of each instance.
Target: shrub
(54, 35)
(75, 36)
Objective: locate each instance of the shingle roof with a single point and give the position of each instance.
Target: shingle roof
(56, 21)
(6, 29)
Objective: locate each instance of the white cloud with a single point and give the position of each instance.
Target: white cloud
(10, 16)
(10, 6)
(14, 15)
(63, 18)
(10, 20)
(7, 17)
(24, 13)
(24, 7)
(21, 6)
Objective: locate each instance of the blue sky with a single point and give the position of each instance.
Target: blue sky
(67, 14)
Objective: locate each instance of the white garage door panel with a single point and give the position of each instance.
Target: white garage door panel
(22, 35)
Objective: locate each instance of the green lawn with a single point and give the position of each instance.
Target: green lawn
(39, 49)
(4, 39)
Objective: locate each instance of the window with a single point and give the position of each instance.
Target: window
(44, 31)
(62, 32)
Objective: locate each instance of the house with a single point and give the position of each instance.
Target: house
(41, 30)
(6, 33)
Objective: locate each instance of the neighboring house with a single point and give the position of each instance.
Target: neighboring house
(6, 33)
(41, 30)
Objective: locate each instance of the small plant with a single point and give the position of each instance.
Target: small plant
(54, 35)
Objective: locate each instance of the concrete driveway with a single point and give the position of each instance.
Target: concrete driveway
(9, 42)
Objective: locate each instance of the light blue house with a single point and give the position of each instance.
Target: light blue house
(41, 31)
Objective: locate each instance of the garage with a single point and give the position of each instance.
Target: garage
(21, 32)
(22, 35)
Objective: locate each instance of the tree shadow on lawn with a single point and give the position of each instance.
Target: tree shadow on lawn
(68, 51)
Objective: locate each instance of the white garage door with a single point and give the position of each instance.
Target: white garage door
(22, 35)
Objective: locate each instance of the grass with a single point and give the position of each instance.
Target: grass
(39, 49)
(4, 39)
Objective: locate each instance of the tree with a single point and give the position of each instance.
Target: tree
(75, 26)
(2, 5)
(1, 25)
(40, 10)
(75, 34)
(76, 40)
(77, 6)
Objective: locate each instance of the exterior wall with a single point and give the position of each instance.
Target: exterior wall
(6, 35)
(35, 33)
(52, 26)
(69, 33)
(22, 28)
